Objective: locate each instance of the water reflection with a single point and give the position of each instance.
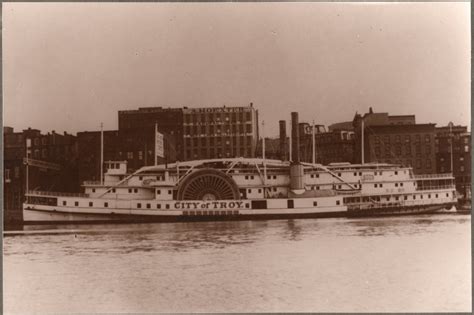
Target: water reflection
(309, 265)
(294, 230)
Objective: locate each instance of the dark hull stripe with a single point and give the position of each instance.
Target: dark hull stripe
(130, 218)
(397, 211)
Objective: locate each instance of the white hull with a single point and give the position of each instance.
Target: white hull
(52, 214)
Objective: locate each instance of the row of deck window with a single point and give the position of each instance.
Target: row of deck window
(106, 205)
(387, 198)
(158, 192)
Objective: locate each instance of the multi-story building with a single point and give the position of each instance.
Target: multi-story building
(220, 132)
(453, 154)
(331, 147)
(52, 166)
(89, 152)
(137, 134)
(395, 139)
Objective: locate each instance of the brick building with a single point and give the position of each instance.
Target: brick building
(453, 147)
(220, 132)
(52, 166)
(334, 146)
(395, 139)
(137, 134)
(88, 144)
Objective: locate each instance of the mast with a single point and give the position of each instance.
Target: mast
(314, 145)
(156, 153)
(290, 145)
(362, 146)
(101, 153)
(28, 148)
(451, 142)
(263, 156)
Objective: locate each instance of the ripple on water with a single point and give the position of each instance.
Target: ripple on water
(405, 264)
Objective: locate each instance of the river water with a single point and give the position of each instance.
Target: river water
(398, 264)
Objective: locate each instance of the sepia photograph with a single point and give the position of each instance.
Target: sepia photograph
(236, 157)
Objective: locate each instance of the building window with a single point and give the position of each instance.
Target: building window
(91, 204)
(408, 150)
(418, 163)
(106, 204)
(64, 203)
(428, 163)
(113, 190)
(158, 206)
(315, 203)
(76, 203)
(148, 206)
(139, 205)
(170, 192)
(135, 190)
(338, 202)
(129, 190)
(428, 149)
(130, 155)
(167, 206)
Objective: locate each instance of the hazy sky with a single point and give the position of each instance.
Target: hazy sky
(69, 66)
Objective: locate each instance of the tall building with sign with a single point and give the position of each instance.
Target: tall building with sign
(220, 132)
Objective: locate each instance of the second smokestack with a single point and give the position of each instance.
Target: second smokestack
(295, 138)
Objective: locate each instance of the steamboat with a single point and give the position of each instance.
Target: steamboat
(244, 189)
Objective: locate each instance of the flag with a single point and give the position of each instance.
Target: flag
(159, 146)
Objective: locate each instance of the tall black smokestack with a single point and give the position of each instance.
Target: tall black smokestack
(295, 138)
(283, 153)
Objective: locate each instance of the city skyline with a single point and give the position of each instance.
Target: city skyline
(326, 61)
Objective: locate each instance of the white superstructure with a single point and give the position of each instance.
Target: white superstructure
(244, 189)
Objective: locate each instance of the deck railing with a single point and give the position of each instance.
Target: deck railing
(92, 182)
(54, 194)
(451, 186)
(433, 176)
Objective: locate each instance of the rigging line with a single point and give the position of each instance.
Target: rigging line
(392, 154)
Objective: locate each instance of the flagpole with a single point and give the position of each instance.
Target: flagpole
(314, 146)
(290, 148)
(28, 145)
(156, 153)
(362, 146)
(451, 142)
(101, 153)
(263, 152)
